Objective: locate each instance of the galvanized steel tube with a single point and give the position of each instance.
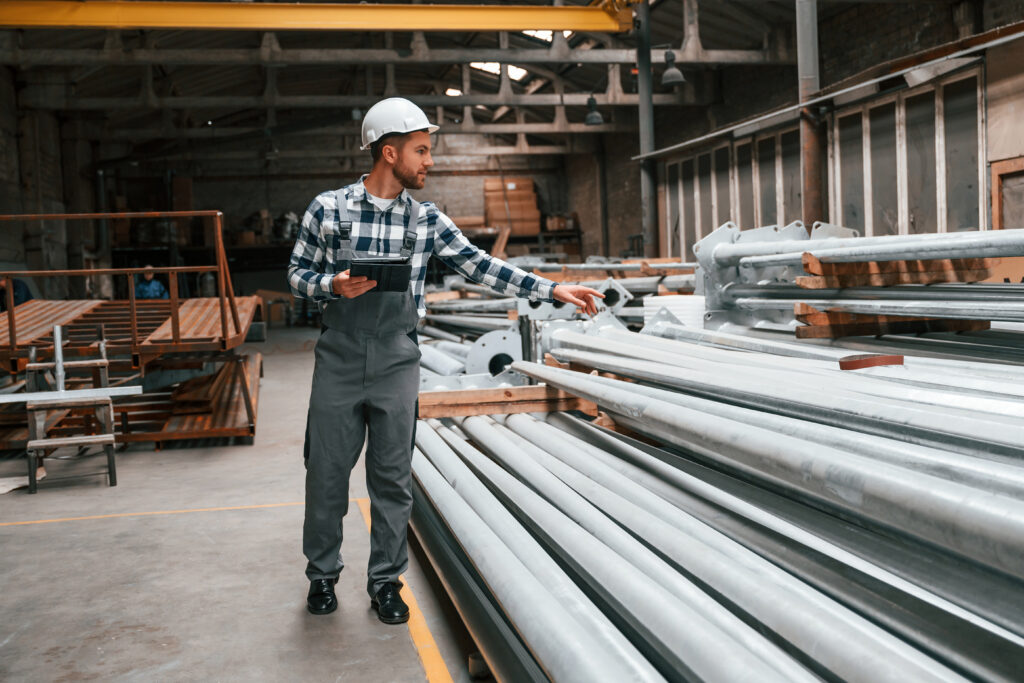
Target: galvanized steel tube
(565, 650)
(1003, 477)
(680, 630)
(438, 333)
(964, 245)
(986, 527)
(474, 305)
(630, 663)
(729, 254)
(943, 427)
(848, 646)
(439, 362)
(472, 322)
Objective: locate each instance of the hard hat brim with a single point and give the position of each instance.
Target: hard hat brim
(431, 129)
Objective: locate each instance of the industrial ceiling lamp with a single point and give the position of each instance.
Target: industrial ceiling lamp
(672, 74)
(593, 117)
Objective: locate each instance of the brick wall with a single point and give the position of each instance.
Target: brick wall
(870, 33)
(585, 199)
(1001, 12)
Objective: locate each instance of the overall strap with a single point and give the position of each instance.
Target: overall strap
(412, 220)
(344, 226)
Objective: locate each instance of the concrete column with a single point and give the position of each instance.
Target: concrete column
(79, 197)
(43, 192)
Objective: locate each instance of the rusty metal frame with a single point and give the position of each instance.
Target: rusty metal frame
(225, 293)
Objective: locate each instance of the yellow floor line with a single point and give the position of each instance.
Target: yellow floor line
(422, 638)
(157, 512)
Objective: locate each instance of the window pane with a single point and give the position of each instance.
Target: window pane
(724, 212)
(921, 163)
(689, 222)
(960, 100)
(745, 219)
(791, 186)
(884, 207)
(704, 207)
(851, 172)
(672, 192)
(766, 179)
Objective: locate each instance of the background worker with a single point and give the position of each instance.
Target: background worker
(149, 287)
(366, 377)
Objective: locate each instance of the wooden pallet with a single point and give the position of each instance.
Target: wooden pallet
(230, 411)
(889, 273)
(502, 401)
(836, 324)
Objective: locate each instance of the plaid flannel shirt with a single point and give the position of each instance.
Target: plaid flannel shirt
(312, 267)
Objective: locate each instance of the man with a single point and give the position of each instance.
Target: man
(21, 293)
(366, 378)
(150, 288)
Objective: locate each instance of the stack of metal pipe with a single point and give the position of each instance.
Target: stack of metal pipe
(781, 520)
(749, 276)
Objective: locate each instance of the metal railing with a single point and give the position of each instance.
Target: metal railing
(225, 291)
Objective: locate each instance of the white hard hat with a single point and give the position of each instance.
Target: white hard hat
(393, 115)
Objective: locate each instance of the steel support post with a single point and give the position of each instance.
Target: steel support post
(645, 90)
(810, 126)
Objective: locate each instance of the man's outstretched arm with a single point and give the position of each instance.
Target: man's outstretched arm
(452, 247)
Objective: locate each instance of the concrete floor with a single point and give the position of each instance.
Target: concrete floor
(200, 594)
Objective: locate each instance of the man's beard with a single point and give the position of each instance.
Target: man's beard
(409, 179)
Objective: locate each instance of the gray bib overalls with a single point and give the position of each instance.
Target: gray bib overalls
(365, 385)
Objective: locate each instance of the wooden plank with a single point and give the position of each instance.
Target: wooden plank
(843, 318)
(527, 399)
(87, 440)
(35, 318)
(814, 266)
(890, 279)
(872, 329)
(67, 402)
(507, 408)
(199, 319)
(540, 392)
(434, 297)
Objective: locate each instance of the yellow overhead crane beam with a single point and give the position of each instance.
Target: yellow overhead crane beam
(608, 17)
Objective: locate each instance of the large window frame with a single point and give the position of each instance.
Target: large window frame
(899, 99)
(678, 205)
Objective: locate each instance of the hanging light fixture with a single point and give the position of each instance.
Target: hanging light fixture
(593, 117)
(672, 75)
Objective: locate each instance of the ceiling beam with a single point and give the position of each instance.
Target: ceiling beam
(224, 134)
(309, 16)
(48, 98)
(301, 57)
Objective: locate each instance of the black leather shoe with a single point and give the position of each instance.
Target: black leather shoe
(389, 605)
(321, 598)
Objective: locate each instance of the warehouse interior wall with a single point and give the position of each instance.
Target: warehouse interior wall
(1004, 89)
(12, 245)
(851, 42)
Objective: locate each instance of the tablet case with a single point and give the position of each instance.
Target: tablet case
(392, 275)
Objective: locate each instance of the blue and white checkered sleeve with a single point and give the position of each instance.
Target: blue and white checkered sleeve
(452, 247)
(306, 276)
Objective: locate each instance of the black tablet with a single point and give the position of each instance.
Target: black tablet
(391, 273)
